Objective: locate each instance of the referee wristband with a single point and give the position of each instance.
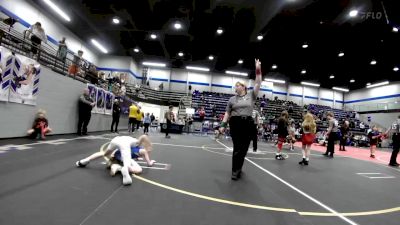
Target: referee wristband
(223, 124)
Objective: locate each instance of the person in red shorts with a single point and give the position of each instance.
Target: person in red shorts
(309, 128)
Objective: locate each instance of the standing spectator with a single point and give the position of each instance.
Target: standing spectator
(161, 87)
(86, 103)
(133, 111)
(37, 35)
(202, 114)
(62, 50)
(146, 123)
(256, 118)
(152, 117)
(190, 89)
(282, 133)
(332, 134)
(115, 116)
(373, 140)
(344, 130)
(239, 111)
(169, 116)
(74, 69)
(309, 129)
(139, 117)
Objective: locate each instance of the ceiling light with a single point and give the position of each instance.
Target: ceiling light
(310, 84)
(240, 61)
(275, 81)
(274, 66)
(396, 69)
(303, 72)
(331, 77)
(340, 89)
(395, 29)
(211, 57)
(305, 46)
(153, 36)
(99, 46)
(353, 13)
(373, 62)
(115, 20)
(341, 54)
(178, 26)
(180, 54)
(352, 81)
(57, 10)
(220, 31)
(136, 50)
(156, 64)
(368, 84)
(378, 84)
(236, 73)
(197, 68)
(260, 37)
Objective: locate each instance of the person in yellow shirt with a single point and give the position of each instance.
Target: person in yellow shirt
(133, 115)
(139, 117)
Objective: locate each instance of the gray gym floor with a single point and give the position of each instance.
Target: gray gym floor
(190, 185)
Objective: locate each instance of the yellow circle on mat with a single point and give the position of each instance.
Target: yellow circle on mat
(262, 207)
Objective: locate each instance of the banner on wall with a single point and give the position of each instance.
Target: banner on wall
(109, 102)
(24, 86)
(100, 101)
(93, 94)
(6, 68)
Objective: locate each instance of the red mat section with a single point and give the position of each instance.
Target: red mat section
(381, 157)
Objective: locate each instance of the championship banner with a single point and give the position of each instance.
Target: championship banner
(6, 67)
(93, 94)
(100, 101)
(24, 87)
(109, 102)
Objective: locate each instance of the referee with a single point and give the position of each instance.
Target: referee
(239, 113)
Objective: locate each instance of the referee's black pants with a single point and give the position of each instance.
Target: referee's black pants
(242, 131)
(396, 147)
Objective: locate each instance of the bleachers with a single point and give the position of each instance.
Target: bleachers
(206, 100)
(320, 112)
(147, 93)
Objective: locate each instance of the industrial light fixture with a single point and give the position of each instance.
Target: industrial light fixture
(197, 68)
(275, 81)
(274, 66)
(310, 84)
(352, 81)
(99, 46)
(153, 36)
(155, 64)
(341, 54)
(260, 37)
(331, 76)
(240, 61)
(115, 20)
(220, 31)
(180, 54)
(57, 10)
(236, 73)
(136, 50)
(340, 89)
(211, 57)
(378, 84)
(353, 13)
(178, 26)
(303, 72)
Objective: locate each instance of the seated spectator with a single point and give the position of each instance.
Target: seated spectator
(40, 126)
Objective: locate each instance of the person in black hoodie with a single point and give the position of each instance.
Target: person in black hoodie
(85, 106)
(115, 116)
